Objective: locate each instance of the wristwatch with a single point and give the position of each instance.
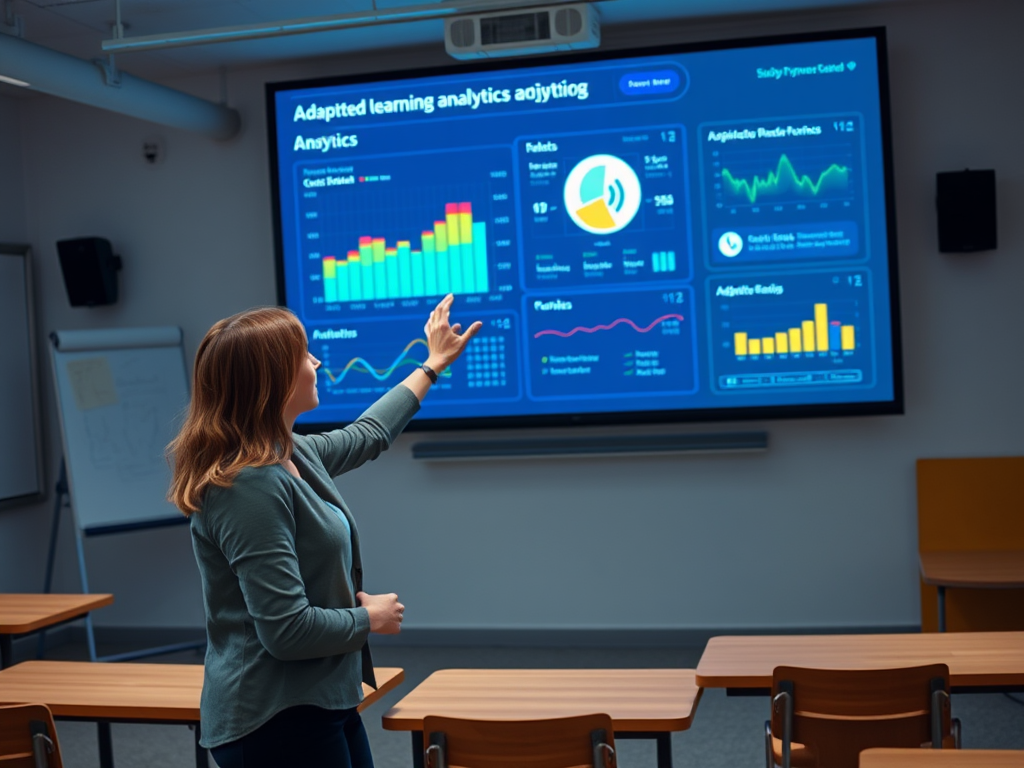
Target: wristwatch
(431, 373)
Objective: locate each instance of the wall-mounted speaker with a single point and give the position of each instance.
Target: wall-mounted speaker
(966, 202)
(90, 270)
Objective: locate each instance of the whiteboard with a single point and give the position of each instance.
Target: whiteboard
(122, 395)
(21, 447)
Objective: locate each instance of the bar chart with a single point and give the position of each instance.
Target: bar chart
(451, 258)
(400, 231)
(792, 330)
(819, 334)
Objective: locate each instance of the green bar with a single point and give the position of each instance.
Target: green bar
(468, 269)
(341, 281)
(429, 265)
(404, 270)
(391, 268)
(366, 267)
(330, 284)
(355, 283)
(444, 282)
(417, 273)
(380, 278)
(480, 256)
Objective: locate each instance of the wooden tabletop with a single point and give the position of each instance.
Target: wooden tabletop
(942, 758)
(656, 700)
(96, 690)
(982, 569)
(983, 659)
(27, 613)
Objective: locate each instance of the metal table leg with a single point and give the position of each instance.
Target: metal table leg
(942, 608)
(106, 745)
(417, 749)
(202, 754)
(6, 651)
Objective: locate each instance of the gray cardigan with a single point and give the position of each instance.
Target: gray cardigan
(282, 624)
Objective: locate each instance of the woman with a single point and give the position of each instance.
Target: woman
(278, 551)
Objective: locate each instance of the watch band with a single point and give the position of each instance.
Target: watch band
(431, 373)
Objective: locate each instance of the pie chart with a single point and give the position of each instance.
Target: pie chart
(602, 194)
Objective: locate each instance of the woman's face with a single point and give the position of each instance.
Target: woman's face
(304, 396)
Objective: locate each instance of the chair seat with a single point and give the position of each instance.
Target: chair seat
(802, 757)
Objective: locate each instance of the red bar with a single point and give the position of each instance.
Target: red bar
(465, 207)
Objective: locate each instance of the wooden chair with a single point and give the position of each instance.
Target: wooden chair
(566, 742)
(28, 737)
(823, 718)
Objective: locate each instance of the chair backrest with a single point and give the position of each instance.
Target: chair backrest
(835, 714)
(28, 737)
(566, 742)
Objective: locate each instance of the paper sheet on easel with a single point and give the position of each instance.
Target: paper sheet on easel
(92, 381)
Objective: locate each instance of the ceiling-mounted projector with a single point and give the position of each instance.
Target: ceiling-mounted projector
(536, 30)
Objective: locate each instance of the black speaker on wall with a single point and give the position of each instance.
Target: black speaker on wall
(967, 211)
(90, 271)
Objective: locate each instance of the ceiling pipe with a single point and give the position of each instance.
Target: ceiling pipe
(371, 17)
(58, 74)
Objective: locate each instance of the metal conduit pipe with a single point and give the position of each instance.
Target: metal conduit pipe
(58, 74)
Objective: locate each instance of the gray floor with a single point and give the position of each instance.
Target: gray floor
(727, 731)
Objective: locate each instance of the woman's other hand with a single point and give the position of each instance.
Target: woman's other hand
(385, 612)
(446, 341)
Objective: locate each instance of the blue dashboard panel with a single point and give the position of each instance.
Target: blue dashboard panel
(665, 234)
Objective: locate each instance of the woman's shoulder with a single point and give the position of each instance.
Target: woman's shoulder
(250, 483)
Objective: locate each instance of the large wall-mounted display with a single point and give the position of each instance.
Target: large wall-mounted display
(663, 234)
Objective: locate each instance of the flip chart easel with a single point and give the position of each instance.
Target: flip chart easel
(121, 394)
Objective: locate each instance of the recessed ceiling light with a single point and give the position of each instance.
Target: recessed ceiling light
(13, 81)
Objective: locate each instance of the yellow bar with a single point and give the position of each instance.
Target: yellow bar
(440, 236)
(795, 344)
(821, 327)
(847, 337)
(768, 345)
(739, 341)
(755, 346)
(353, 259)
(453, 228)
(465, 227)
(329, 268)
(781, 342)
(379, 246)
(808, 328)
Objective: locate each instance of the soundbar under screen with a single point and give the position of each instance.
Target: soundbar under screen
(678, 234)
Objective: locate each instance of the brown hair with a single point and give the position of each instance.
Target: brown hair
(244, 373)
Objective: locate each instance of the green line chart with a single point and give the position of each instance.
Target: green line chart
(785, 182)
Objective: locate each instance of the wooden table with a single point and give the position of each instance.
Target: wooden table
(24, 613)
(978, 661)
(984, 569)
(941, 758)
(129, 693)
(643, 703)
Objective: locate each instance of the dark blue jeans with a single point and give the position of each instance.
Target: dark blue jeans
(301, 737)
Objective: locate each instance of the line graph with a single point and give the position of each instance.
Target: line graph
(361, 365)
(594, 345)
(608, 327)
(785, 180)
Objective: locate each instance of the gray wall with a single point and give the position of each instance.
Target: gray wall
(820, 530)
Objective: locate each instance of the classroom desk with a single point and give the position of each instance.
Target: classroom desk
(988, 569)
(129, 693)
(643, 703)
(978, 661)
(941, 758)
(21, 614)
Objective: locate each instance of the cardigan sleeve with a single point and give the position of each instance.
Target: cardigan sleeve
(368, 436)
(254, 526)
